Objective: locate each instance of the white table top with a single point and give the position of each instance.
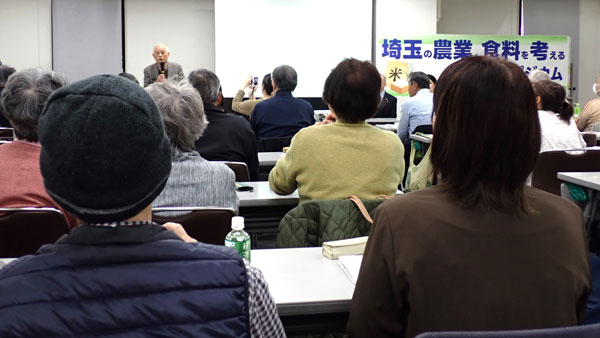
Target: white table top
(302, 281)
(382, 120)
(262, 195)
(269, 158)
(585, 179)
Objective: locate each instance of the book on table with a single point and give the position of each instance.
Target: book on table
(350, 246)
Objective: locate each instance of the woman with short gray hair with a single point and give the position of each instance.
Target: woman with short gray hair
(22, 101)
(194, 181)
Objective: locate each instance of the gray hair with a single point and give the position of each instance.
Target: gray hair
(207, 84)
(285, 77)
(183, 113)
(538, 75)
(24, 97)
(420, 78)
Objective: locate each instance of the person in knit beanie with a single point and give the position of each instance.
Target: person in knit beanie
(105, 157)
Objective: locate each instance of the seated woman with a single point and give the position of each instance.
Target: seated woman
(559, 130)
(479, 251)
(245, 107)
(194, 181)
(348, 157)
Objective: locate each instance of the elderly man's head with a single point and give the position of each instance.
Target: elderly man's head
(284, 78)
(161, 53)
(105, 155)
(538, 75)
(207, 84)
(23, 99)
(182, 111)
(416, 82)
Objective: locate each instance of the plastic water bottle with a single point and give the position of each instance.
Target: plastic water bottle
(576, 110)
(237, 238)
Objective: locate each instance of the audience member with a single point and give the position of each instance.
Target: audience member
(5, 72)
(348, 157)
(432, 82)
(194, 181)
(130, 76)
(479, 251)
(245, 107)
(538, 75)
(227, 137)
(162, 69)
(559, 130)
(22, 101)
(282, 115)
(417, 109)
(387, 107)
(590, 115)
(118, 273)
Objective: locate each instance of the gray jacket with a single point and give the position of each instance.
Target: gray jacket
(173, 72)
(196, 182)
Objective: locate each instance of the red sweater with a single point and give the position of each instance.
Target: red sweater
(22, 182)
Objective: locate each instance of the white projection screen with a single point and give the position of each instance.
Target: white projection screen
(313, 36)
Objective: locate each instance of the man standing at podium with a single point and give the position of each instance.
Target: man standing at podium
(162, 69)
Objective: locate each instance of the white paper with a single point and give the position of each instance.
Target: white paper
(350, 264)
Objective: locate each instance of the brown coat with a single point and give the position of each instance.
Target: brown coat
(430, 265)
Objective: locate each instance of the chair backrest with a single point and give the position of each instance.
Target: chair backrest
(6, 134)
(589, 138)
(273, 143)
(549, 163)
(583, 331)
(313, 222)
(240, 169)
(206, 224)
(24, 230)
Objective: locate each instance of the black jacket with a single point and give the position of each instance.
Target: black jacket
(228, 138)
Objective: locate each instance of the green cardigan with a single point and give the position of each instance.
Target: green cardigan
(338, 160)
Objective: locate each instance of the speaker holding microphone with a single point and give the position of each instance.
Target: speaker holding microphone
(162, 68)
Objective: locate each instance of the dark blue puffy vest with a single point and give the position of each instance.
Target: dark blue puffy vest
(104, 284)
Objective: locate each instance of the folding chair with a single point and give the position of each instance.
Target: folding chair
(24, 230)
(240, 169)
(551, 162)
(206, 224)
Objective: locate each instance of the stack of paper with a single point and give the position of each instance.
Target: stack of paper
(350, 246)
(351, 266)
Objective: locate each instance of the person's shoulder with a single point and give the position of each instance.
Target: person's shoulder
(545, 202)
(385, 135)
(149, 67)
(592, 104)
(417, 205)
(390, 97)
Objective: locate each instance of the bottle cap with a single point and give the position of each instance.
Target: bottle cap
(237, 222)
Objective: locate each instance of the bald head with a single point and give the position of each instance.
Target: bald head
(161, 53)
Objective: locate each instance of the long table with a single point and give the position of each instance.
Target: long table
(263, 210)
(312, 292)
(266, 162)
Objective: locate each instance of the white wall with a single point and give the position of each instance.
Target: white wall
(313, 36)
(499, 17)
(25, 38)
(397, 18)
(187, 27)
(589, 49)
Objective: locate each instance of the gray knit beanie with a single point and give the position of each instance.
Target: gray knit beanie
(105, 155)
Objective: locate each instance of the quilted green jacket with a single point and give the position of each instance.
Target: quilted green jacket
(313, 222)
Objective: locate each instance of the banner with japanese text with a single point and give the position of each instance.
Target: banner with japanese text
(397, 56)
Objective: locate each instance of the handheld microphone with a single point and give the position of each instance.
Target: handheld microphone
(162, 67)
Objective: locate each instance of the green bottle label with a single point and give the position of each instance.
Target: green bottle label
(241, 244)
